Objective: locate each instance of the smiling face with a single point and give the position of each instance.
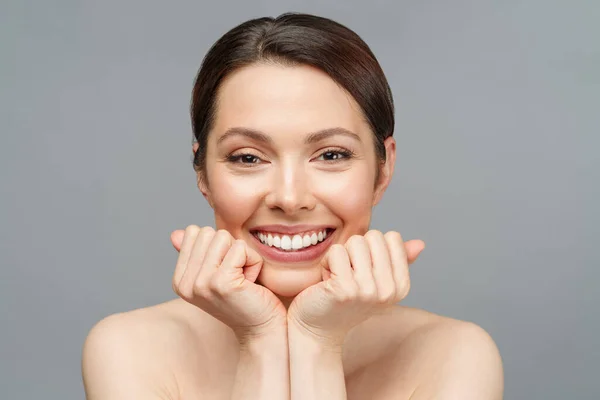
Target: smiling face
(291, 169)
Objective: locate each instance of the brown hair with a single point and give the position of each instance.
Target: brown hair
(292, 39)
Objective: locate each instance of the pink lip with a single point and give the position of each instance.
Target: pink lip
(309, 254)
(289, 229)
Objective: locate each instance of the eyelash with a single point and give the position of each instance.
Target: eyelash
(345, 154)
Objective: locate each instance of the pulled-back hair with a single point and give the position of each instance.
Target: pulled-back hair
(293, 39)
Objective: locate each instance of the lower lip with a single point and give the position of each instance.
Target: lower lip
(291, 256)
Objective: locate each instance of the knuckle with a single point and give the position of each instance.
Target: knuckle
(218, 286)
(201, 289)
(205, 236)
(354, 240)
(347, 295)
(175, 287)
(192, 230)
(368, 294)
(184, 292)
(388, 296)
(207, 231)
(337, 248)
(357, 238)
(343, 298)
(373, 234)
(403, 289)
(352, 293)
(394, 236)
(176, 282)
(223, 235)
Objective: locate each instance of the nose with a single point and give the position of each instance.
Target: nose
(290, 189)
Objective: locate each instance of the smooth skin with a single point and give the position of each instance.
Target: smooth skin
(249, 327)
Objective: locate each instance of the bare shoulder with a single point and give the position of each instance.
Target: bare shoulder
(458, 359)
(147, 353)
(423, 355)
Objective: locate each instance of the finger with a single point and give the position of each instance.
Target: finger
(241, 261)
(399, 264)
(185, 250)
(337, 263)
(341, 280)
(218, 248)
(382, 266)
(196, 260)
(231, 269)
(177, 238)
(254, 263)
(413, 249)
(360, 260)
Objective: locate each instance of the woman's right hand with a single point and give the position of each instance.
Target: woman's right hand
(216, 273)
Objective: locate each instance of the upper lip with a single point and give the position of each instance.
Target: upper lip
(290, 229)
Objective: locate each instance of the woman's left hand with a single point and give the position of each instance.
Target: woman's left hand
(365, 275)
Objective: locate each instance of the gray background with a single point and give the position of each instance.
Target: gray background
(497, 171)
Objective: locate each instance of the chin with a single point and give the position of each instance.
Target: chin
(288, 282)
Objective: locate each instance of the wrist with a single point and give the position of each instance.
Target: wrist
(313, 341)
(274, 329)
(263, 367)
(316, 365)
(263, 343)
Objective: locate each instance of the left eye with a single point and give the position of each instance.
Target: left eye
(249, 159)
(333, 155)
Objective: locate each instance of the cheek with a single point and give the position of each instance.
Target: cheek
(350, 196)
(234, 200)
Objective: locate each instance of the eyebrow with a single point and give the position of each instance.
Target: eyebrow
(314, 137)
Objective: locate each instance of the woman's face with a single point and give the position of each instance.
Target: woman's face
(291, 169)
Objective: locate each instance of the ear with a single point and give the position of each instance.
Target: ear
(386, 170)
(201, 179)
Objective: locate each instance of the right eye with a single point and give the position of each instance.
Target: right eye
(244, 158)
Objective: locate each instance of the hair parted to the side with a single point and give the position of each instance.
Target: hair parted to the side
(293, 39)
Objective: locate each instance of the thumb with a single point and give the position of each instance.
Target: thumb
(177, 238)
(413, 249)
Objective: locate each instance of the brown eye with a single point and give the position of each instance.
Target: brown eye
(331, 155)
(248, 159)
(243, 159)
(334, 155)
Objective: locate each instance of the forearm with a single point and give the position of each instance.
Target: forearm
(316, 370)
(263, 369)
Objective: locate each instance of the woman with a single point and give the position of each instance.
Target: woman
(292, 296)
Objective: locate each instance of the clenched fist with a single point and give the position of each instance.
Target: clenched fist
(216, 273)
(366, 274)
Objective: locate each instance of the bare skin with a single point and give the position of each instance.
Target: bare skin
(290, 148)
(176, 351)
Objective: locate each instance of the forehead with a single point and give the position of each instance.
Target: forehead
(287, 99)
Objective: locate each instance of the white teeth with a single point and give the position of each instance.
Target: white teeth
(286, 242)
(306, 241)
(295, 242)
